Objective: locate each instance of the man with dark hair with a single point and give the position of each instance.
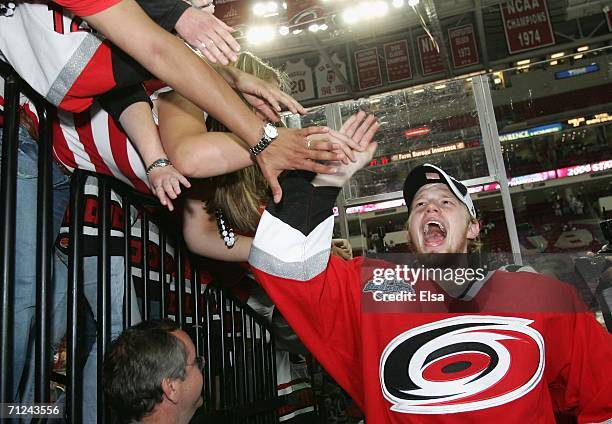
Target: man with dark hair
(152, 374)
(458, 344)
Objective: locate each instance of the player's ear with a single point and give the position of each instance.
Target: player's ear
(473, 229)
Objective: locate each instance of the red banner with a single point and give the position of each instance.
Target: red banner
(463, 46)
(397, 59)
(608, 12)
(527, 25)
(431, 62)
(368, 68)
(232, 12)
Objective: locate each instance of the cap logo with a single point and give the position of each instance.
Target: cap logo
(432, 176)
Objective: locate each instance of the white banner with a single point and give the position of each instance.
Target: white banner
(302, 82)
(328, 83)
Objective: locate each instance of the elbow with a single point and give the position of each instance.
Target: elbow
(186, 162)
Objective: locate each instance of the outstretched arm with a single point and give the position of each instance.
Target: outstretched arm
(127, 26)
(318, 295)
(165, 182)
(202, 235)
(198, 153)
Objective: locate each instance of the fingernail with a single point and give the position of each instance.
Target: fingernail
(334, 170)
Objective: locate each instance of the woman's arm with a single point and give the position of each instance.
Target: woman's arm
(165, 182)
(129, 28)
(202, 236)
(193, 150)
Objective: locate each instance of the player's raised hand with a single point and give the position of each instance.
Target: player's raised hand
(362, 127)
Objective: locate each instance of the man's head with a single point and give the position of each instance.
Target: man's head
(152, 371)
(442, 215)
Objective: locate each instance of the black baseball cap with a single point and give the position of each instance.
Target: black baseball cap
(431, 174)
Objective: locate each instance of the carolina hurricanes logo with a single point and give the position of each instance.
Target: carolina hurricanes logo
(461, 364)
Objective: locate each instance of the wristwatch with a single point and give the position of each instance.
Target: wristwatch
(269, 135)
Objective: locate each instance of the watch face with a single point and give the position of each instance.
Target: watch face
(270, 131)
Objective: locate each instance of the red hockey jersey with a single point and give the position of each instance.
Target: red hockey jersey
(517, 347)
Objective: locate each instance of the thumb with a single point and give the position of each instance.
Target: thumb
(277, 191)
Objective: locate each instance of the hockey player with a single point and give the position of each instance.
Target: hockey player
(506, 345)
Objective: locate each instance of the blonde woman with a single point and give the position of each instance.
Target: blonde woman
(238, 194)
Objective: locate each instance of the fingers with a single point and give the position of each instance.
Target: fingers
(215, 46)
(363, 128)
(268, 112)
(305, 132)
(207, 54)
(291, 104)
(225, 33)
(325, 150)
(319, 168)
(326, 156)
(161, 195)
(222, 45)
(350, 125)
(369, 134)
(272, 100)
(166, 185)
(346, 141)
(184, 180)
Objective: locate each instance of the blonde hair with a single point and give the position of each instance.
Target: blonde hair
(240, 194)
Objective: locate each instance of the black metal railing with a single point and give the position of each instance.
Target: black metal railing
(13, 87)
(240, 380)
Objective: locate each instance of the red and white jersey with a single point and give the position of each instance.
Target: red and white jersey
(517, 347)
(55, 53)
(93, 141)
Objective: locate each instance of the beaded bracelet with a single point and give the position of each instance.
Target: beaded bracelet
(226, 233)
(7, 8)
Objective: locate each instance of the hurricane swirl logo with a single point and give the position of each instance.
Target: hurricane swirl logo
(461, 364)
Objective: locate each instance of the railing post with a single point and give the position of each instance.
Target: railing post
(104, 287)
(7, 233)
(44, 256)
(74, 373)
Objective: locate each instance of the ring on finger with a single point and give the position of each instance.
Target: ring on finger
(308, 142)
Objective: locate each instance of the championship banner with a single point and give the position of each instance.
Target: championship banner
(397, 59)
(368, 68)
(608, 12)
(302, 82)
(431, 61)
(233, 12)
(297, 7)
(527, 25)
(463, 46)
(328, 83)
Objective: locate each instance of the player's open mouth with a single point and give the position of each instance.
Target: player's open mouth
(434, 233)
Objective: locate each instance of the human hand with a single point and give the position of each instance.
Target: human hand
(166, 184)
(204, 32)
(361, 129)
(293, 150)
(267, 98)
(342, 248)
